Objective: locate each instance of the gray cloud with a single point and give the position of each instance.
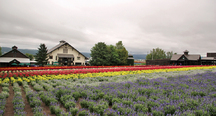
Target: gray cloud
(173, 25)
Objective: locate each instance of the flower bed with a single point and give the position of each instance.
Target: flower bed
(180, 95)
(57, 67)
(84, 73)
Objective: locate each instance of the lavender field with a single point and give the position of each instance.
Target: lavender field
(181, 95)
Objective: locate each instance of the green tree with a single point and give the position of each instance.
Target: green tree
(156, 54)
(99, 54)
(31, 57)
(41, 55)
(113, 57)
(0, 51)
(169, 54)
(122, 52)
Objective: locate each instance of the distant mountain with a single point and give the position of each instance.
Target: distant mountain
(86, 54)
(139, 56)
(136, 56)
(32, 51)
(24, 51)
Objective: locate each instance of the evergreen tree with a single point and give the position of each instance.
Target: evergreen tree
(99, 54)
(41, 55)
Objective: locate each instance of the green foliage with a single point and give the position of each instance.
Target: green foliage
(140, 107)
(156, 54)
(116, 100)
(169, 109)
(74, 111)
(5, 89)
(127, 102)
(35, 102)
(195, 93)
(122, 52)
(212, 110)
(113, 56)
(157, 113)
(4, 94)
(41, 56)
(103, 54)
(99, 54)
(31, 57)
(100, 107)
(76, 95)
(169, 55)
(141, 98)
(83, 113)
(56, 110)
(69, 104)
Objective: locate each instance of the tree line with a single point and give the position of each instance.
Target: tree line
(102, 54)
(158, 53)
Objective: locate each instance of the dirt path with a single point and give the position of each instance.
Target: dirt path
(9, 105)
(78, 103)
(46, 109)
(27, 108)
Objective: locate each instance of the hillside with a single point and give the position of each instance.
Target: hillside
(32, 51)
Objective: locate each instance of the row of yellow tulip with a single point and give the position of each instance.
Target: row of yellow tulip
(103, 74)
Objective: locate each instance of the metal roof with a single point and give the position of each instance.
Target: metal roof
(62, 42)
(208, 58)
(175, 57)
(9, 59)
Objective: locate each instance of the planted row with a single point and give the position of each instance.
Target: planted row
(18, 103)
(3, 96)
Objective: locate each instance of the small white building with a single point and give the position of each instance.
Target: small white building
(65, 54)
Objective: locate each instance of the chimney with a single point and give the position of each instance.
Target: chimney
(14, 48)
(62, 41)
(186, 52)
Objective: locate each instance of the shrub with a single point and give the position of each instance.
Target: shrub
(157, 113)
(74, 111)
(83, 113)
(6, 89)
(69, 104)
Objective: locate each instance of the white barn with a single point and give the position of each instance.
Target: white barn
(65, 54)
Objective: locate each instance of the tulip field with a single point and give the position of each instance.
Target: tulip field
(108, 91)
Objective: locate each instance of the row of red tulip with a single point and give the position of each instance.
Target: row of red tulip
(54, 67)
(83, 71)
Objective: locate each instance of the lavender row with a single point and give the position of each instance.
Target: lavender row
(34, 100)
(179, 95)
(3, 95)
(18, 103)
(49, 98)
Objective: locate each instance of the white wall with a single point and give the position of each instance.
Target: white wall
(70, 51)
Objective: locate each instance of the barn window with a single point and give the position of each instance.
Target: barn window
(50, 57)
(65, 50)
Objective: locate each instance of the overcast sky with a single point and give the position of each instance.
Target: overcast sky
(172, 25)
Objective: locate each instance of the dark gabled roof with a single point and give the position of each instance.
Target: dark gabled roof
(176, 57)
(61, 44)
(5, 55)
(193, 57)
